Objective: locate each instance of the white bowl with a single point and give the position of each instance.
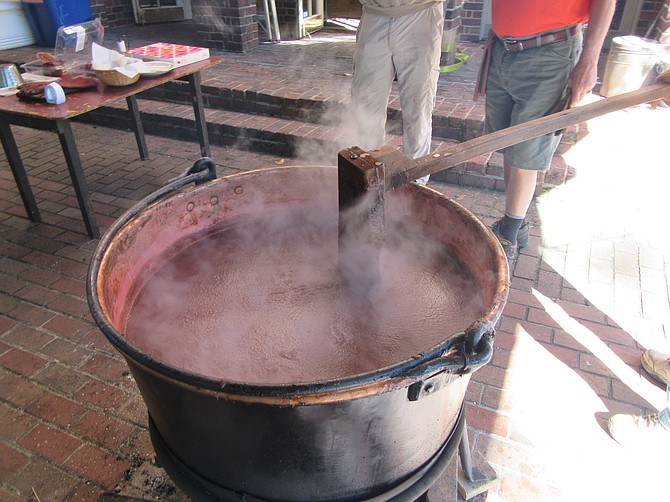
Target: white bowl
(155, 68)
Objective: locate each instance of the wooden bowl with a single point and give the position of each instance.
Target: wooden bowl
(114, 78)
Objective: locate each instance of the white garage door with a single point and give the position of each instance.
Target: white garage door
(14, 28)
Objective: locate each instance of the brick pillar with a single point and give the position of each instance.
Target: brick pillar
(452, 24)
(226, 24)
(472, 19)
(288, 17)
(453, 13)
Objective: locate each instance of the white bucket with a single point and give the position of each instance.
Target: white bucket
(629, 63)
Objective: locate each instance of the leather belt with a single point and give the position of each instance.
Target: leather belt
(523, 44)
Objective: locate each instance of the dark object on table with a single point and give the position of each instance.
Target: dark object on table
(73, 81)
(32, 91)
(53, 68)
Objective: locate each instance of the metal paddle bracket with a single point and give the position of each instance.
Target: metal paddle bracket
(360, 179)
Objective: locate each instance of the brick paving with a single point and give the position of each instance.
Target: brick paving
(587, 296)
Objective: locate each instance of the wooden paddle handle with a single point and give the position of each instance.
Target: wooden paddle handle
(400, 169)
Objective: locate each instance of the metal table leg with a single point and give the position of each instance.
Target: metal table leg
(194, 82)
(19, 172)
(73, 161)
(138, 128)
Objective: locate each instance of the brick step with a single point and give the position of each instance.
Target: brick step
(317, 109)
(318, 122)
(316, 143)
(452, 121)
(274, 135)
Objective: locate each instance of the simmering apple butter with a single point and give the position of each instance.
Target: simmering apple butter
(261, 302)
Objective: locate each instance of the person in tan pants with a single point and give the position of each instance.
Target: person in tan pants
(397, 39)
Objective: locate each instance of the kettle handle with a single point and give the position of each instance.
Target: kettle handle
(467, 352)
(202, 171)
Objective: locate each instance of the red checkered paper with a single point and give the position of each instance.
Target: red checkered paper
(176, 54)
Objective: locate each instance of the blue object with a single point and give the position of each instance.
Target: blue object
(47, 16)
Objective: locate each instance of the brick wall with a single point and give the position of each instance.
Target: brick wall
(226, 24)
(113, 13)
(453, 10)
(472, 20)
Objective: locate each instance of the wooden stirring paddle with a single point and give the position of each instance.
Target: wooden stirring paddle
(363, 177)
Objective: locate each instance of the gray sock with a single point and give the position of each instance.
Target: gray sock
(510, 227)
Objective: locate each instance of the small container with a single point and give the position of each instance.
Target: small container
(9, 76)
(59, 68)
(54, 94)
(73, 43)
(121, 45)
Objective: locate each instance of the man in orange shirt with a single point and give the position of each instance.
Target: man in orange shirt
(536, 59)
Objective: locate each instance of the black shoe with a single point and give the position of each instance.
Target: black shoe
(510, 248)
(521, 237)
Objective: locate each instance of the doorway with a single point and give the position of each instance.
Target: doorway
(312, 15)
(161, 11)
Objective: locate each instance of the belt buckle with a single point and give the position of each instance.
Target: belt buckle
(518, 44)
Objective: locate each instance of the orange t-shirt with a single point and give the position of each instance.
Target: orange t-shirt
(523, 18)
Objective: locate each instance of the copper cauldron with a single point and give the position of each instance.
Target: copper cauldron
(348, 438)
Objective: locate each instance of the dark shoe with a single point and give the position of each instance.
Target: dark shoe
(521, 237)
(510, 248)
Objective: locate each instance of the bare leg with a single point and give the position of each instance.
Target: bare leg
(519, 190)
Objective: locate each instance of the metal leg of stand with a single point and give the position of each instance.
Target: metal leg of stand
(465, 455)
(473, 480)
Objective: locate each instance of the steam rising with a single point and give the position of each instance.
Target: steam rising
(262, 301)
